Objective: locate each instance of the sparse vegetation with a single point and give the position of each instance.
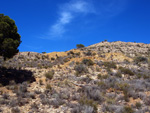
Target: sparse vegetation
(86, 80)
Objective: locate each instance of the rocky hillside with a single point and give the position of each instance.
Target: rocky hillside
(127, 48)
(101, 78)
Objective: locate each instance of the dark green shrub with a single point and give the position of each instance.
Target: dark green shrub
(118, 74)
(102, 85)
(140, 59)
(65, 60)
(15, 110)
(126, 95)
(94, 54)
(70, 53)
(146, 76)
(40, 82)
(105, 40)
(78, 54)
(110, 100)
(99, 76)
(128, 109)
(126, 61)
(89, 53)
(139, 75)
(87, 62)
(48, 86)
(80, 69)
(89, 102)
(35, 59)
(124, 87)
(138, 105)
(126, 71)
(110, 65)
(77, 63)
(49, 74)
(80, 46)
(52, 58)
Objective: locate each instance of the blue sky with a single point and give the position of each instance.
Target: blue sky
(58, 25)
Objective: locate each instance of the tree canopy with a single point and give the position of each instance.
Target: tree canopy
(9, 37)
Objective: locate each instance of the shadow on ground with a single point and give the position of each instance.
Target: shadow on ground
(19, 76)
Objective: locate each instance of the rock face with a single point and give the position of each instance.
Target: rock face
(104, 77)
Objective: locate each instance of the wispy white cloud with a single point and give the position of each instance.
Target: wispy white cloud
(67, 13)
(65, 17)
(79, 6)
(59, 27)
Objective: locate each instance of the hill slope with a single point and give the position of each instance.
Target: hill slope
(104, 77)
